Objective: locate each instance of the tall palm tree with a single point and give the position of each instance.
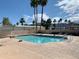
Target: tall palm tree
(69, 22)
(42, 3)
(65, 22)
(54, 21)
(34, 4)
(59, 22)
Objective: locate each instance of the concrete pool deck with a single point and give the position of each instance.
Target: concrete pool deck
(10, 48)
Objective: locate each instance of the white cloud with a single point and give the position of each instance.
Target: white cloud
(75, 18)
(71, 7)
(26, 17)
(29, 19)
(45, 17)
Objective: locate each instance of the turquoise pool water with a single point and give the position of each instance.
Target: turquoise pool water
(41, 39)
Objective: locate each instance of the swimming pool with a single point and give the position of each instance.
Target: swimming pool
(40, 39)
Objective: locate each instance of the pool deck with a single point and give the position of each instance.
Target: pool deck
(10, 48)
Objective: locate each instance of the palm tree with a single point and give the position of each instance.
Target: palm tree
(48, 24)
(33, 22)
(65, 22)
(59, 22)
(17, 23)
(34, 4)
(42, 3)
(43, 23)
(69, 22)
(54, 21)
(22, 21)
(6, 21)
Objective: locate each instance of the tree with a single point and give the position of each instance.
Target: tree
(42, 3)
(48, 24)
(22, 21)
(17, 23)
(69, 22)
(6, 21)
(54, 21)
(14, 27)
(60, 20)
(33, 22)
(59, 23)
(43, 23)
(65, 23)
(34, 4)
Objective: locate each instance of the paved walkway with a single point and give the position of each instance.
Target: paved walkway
(12, 49)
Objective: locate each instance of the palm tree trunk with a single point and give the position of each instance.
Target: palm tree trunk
(34, 13)
(60, 27)
(54, 25)
(36, 18)
(41, 17)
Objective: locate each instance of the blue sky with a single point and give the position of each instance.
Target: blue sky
(15, 9)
